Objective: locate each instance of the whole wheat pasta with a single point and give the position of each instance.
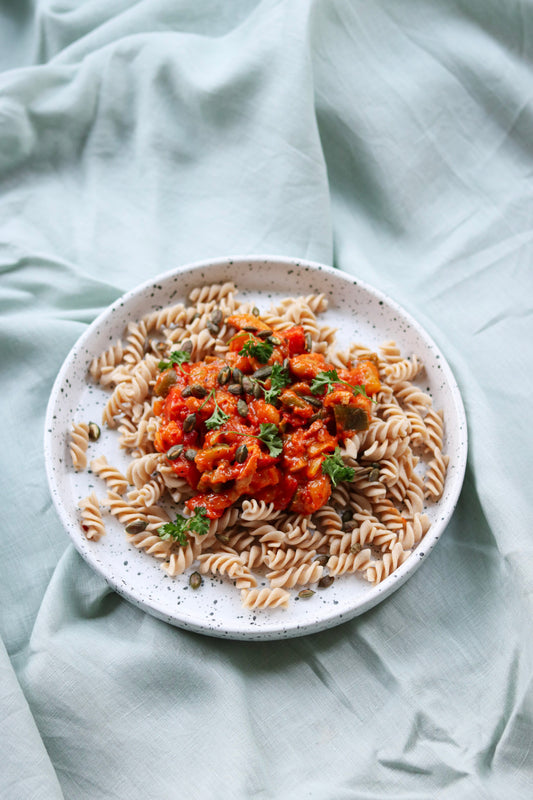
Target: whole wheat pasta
(79, 440)
(364, 525)
(91, 518)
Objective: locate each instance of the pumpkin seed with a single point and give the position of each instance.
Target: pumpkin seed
(241, 454)
(258, 391)
(326, 581)
(313, 401)
(190, 454)
(189, 422)
(255, 311)
(237, 375)
(216, 316)
(213, 329)
(308, 342)
(174, 452)
(242, 408)
(247, 384)
(373, 475)
(197, 390)
(187, 346)
(195, 581)
(137, 526)
(262, 373)
(235, 388)
(224, 375)
(163, 386)
(323, 559)
(305, 594)
(94, 431)
(263, 334)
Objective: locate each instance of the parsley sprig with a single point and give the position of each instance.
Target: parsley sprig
(259, 350)
(335, 468)
(325, 380)
(279, 378)
(268, 434)
(218, 417)
(177, 357)
(178, 529)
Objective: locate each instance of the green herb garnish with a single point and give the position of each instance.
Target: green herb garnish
(326, 379)
(279, 378)
(177, 530)
(177, 357)
(259, 350)
(218, 417)
(334, 466)
(268, 434)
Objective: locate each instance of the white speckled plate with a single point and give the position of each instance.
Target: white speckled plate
(360, 313)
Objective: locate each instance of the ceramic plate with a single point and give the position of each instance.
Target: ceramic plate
(360, 313)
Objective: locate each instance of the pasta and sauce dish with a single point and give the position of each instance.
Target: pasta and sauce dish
(259, 452)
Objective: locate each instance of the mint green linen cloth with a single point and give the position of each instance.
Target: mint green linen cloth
(392, 139)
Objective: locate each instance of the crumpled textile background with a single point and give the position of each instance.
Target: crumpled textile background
(392, 139)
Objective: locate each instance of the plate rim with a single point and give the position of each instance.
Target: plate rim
(283, 630)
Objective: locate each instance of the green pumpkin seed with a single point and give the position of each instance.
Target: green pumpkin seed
(305, 594)
(235, 388)
(94, 431)
(241, 454)
(247, 385)
(190, 454)
(224, 375)
(189, 423)
(242, 408)
(174, 452)
(237, 375)
(197, 390)
(326, 581)
(137, 526)
(313, 401)
(262, 373)
(195, 581)
(216, 316)
(164, 386)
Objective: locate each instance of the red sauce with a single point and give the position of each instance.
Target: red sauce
(310, 425)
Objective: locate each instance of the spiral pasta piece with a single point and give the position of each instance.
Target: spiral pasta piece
(92, 522)
(79, 440)
(377, 571)
(113, 477)
(300, 574)
(265, 598)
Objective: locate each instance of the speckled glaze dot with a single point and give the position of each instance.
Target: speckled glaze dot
(361, 314)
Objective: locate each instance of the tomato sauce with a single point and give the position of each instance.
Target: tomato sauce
(220, 416)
